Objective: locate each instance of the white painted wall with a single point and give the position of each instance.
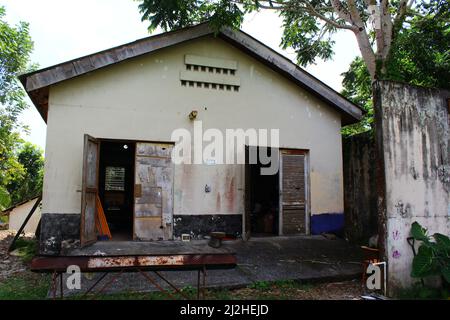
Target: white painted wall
(143, 99)
(18, 215)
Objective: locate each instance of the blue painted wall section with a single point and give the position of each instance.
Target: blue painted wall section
(327, 222)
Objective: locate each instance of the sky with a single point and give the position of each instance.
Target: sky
(66, 29)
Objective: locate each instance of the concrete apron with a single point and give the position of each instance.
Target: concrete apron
(299, 258)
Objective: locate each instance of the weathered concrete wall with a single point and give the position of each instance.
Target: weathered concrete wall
(360, 196)
(413, 129)
(59, 231)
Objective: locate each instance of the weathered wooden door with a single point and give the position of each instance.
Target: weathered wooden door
(153, 192)
(293, 192)
(89, 190)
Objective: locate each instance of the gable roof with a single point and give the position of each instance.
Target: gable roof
(37, 83)
(8, 210)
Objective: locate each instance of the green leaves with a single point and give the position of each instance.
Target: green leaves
(418, 232)
(175, 14)
(29, 184)
(420, 54)
(443, 242)
(5, 199)
(423, 265)
(433, 257)
(20, 164)
(446, 273)
(15, 48)
(357, 87)
(307, 35)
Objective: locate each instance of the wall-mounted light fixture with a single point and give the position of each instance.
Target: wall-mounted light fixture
(193, 115)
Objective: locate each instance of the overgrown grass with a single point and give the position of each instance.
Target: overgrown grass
(260, 285)
(36, 286)
(25, 287)
(259, 290)
(4, 219)
(26, 249)
(280, 284)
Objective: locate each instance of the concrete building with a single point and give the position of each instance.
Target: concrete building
(111, 117)
(18, 213)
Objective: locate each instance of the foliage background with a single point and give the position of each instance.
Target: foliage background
(21, 163)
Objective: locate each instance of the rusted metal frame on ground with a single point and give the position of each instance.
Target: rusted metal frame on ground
(53, 286)
(61, 287)
(198, 284)
(200, 288)
(36, 204)
(203, 289)
(114, 278)
(95, 284)
(152, 281)
(58, 265)
(172, 285)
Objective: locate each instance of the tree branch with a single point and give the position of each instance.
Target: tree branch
(333, 23)
(362, 38)
(403, 7)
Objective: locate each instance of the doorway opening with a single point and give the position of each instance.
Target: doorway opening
(264, 199)
(116, 186)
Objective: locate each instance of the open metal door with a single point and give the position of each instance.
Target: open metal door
(293, 191)
(89, 190)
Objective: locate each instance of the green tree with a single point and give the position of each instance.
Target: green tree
(15, 49)
(307, 24)
(420, 56)
(29, 184)
(357, 87)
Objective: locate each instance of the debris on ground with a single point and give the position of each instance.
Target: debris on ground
(9, 264)
(344, 290)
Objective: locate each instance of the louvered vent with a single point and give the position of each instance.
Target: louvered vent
(210, 73)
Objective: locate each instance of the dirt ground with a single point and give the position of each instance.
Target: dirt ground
(346, 290)
(10, 265)
(17, 282)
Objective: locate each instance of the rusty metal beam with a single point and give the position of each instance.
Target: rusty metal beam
(121, 264)
(132, 263)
